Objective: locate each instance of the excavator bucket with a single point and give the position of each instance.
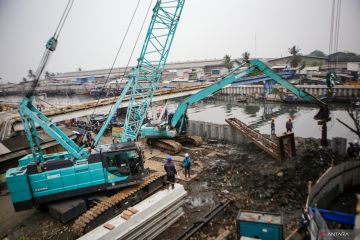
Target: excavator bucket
(323, 114)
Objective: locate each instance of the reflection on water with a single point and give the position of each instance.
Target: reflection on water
(251, 109)
(258, 115)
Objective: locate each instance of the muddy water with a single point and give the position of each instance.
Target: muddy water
(258, 115)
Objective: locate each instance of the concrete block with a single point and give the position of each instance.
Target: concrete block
(155, 214)
(64, 211)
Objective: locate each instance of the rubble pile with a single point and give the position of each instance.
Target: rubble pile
(254, 181)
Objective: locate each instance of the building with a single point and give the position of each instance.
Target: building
(353, 67)
(309, 71)
(189, 70)
(309, 61)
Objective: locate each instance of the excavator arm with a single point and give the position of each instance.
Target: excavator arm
(231, 77)
(323, 113)
(181, 110)
(32, 117)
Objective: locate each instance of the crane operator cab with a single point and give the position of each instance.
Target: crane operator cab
(122, 162)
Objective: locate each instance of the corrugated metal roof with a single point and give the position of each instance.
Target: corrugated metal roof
(301, 56)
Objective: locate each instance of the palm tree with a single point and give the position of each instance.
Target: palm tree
(47, 75)
(245, 56)
(227, 62)
(31, 74)
(295, 56)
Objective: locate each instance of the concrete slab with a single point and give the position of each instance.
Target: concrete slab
(151, 211)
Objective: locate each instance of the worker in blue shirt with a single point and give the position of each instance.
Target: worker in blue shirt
(187, 164)
(273, 126)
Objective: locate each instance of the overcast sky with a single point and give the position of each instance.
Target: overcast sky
(208, 29)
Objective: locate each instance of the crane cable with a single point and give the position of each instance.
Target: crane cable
(50, 47)
(337, 28)
(334, 33)
(333, 45)
(115, 59)
(131, 54)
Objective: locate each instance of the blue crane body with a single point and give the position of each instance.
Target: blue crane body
(42, 178)
(177, 121)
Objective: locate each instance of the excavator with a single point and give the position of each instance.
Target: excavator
(41, 179)
(171, 133)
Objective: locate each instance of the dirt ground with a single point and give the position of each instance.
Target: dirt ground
(253, 181)
(244, 174)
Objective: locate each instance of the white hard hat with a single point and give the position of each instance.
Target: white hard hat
(186, 155)
(355, 141)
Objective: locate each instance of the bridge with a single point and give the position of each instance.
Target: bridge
(10, 121)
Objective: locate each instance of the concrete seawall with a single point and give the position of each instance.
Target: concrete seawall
(316, 90)
(213, 131)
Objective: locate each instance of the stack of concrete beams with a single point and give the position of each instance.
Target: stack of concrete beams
(155, 214)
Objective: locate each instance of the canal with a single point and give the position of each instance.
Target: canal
(256, 114)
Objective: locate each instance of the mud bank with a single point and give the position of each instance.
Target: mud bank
(253, 181)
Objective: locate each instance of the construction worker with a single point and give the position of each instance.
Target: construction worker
(187, 164)
(289, 126)
(351, 150)
(273, 126)
(170, 172)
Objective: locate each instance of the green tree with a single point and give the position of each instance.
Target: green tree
(227, 62)
(317, 53)
(303, 65)
(344, 57)
(245, 56)
(295, 56)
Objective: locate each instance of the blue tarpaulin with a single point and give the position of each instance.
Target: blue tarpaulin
(339, 217)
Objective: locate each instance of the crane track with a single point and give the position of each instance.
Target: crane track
(194, 140)
(167, 144)
(83, 223)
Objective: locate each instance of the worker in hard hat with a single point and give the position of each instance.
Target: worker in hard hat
(187, 164)
(289, 126)
(272, 126)
(170, 172)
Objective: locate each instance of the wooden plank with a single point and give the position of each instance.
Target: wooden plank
(258, 139)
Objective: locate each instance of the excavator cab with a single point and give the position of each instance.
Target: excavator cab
(123, 163)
